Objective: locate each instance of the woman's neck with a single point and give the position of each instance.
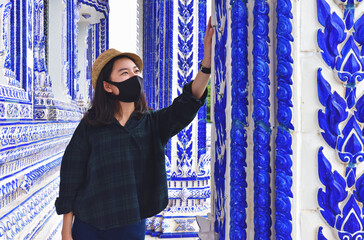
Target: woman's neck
(126, 110)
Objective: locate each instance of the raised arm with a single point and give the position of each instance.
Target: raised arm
(200, 83)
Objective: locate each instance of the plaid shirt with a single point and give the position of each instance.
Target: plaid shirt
(114, 175)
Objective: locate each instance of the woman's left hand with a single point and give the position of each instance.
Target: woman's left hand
(206, 62)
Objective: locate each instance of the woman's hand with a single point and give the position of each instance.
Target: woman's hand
(206, 62)
(67, 226)
(67, 236)
(202, 79)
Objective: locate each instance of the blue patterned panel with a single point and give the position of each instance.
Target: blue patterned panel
(18, 41)
(38, 35)
(262, 130)
(12, 42)
(72, 32)
(185, 225)
(184, 75)
(220, 116)
(342, 198)
(184, 151)
(168, 63)
(283, 162)
(202, 112)
(239, 114)
(160, 53)
(23, 76)
(146, 30)
(103, 34)
(149, 49)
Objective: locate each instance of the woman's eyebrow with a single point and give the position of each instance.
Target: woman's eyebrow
(123, 69)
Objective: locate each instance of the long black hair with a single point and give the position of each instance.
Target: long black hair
(104, 106)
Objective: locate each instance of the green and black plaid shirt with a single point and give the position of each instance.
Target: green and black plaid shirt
(114, 175)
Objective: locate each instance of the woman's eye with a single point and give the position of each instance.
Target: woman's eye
(124, 73)
(137, 70)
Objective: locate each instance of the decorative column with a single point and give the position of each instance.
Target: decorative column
(239, 120)
(71, 47)
(247, 120)
(202, 112)
(283, 138)
(43, 96)
(173, 47)
(341, 120)
(262, 127)
(219, 139)
(14, 69)
(5, 39)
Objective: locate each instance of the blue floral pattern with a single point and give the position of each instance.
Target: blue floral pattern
(239, 115)
(220, 116)
(342, 198)
(262, 129)
(283, 161)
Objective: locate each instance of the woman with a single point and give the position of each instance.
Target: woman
(113, 170)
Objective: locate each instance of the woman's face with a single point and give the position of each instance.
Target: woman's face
(123, 69)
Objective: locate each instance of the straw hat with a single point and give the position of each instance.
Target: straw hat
(106, 56)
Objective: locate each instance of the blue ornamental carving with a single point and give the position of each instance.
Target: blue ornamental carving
(159, 55)
(262, 129)
(283, 162)
(342, 198)
(202, 112)
(220, 116)
(185, 74)
(239, 114)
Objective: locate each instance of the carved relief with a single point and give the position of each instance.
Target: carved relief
(239, 115)
(185, 74)
(283, 140)
(261, 115)
(341, 200)
(220, 116)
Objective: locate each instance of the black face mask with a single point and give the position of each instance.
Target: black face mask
(129, 90)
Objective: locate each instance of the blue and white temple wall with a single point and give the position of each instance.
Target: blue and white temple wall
(46, 52)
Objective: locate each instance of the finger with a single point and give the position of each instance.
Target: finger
(211, 32)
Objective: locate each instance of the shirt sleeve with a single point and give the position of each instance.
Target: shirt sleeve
(179, 114)
(73, 169)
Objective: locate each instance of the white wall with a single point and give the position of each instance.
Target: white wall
(123, 25)
(56, 11)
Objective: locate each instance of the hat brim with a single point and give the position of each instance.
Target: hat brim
(106, 56)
